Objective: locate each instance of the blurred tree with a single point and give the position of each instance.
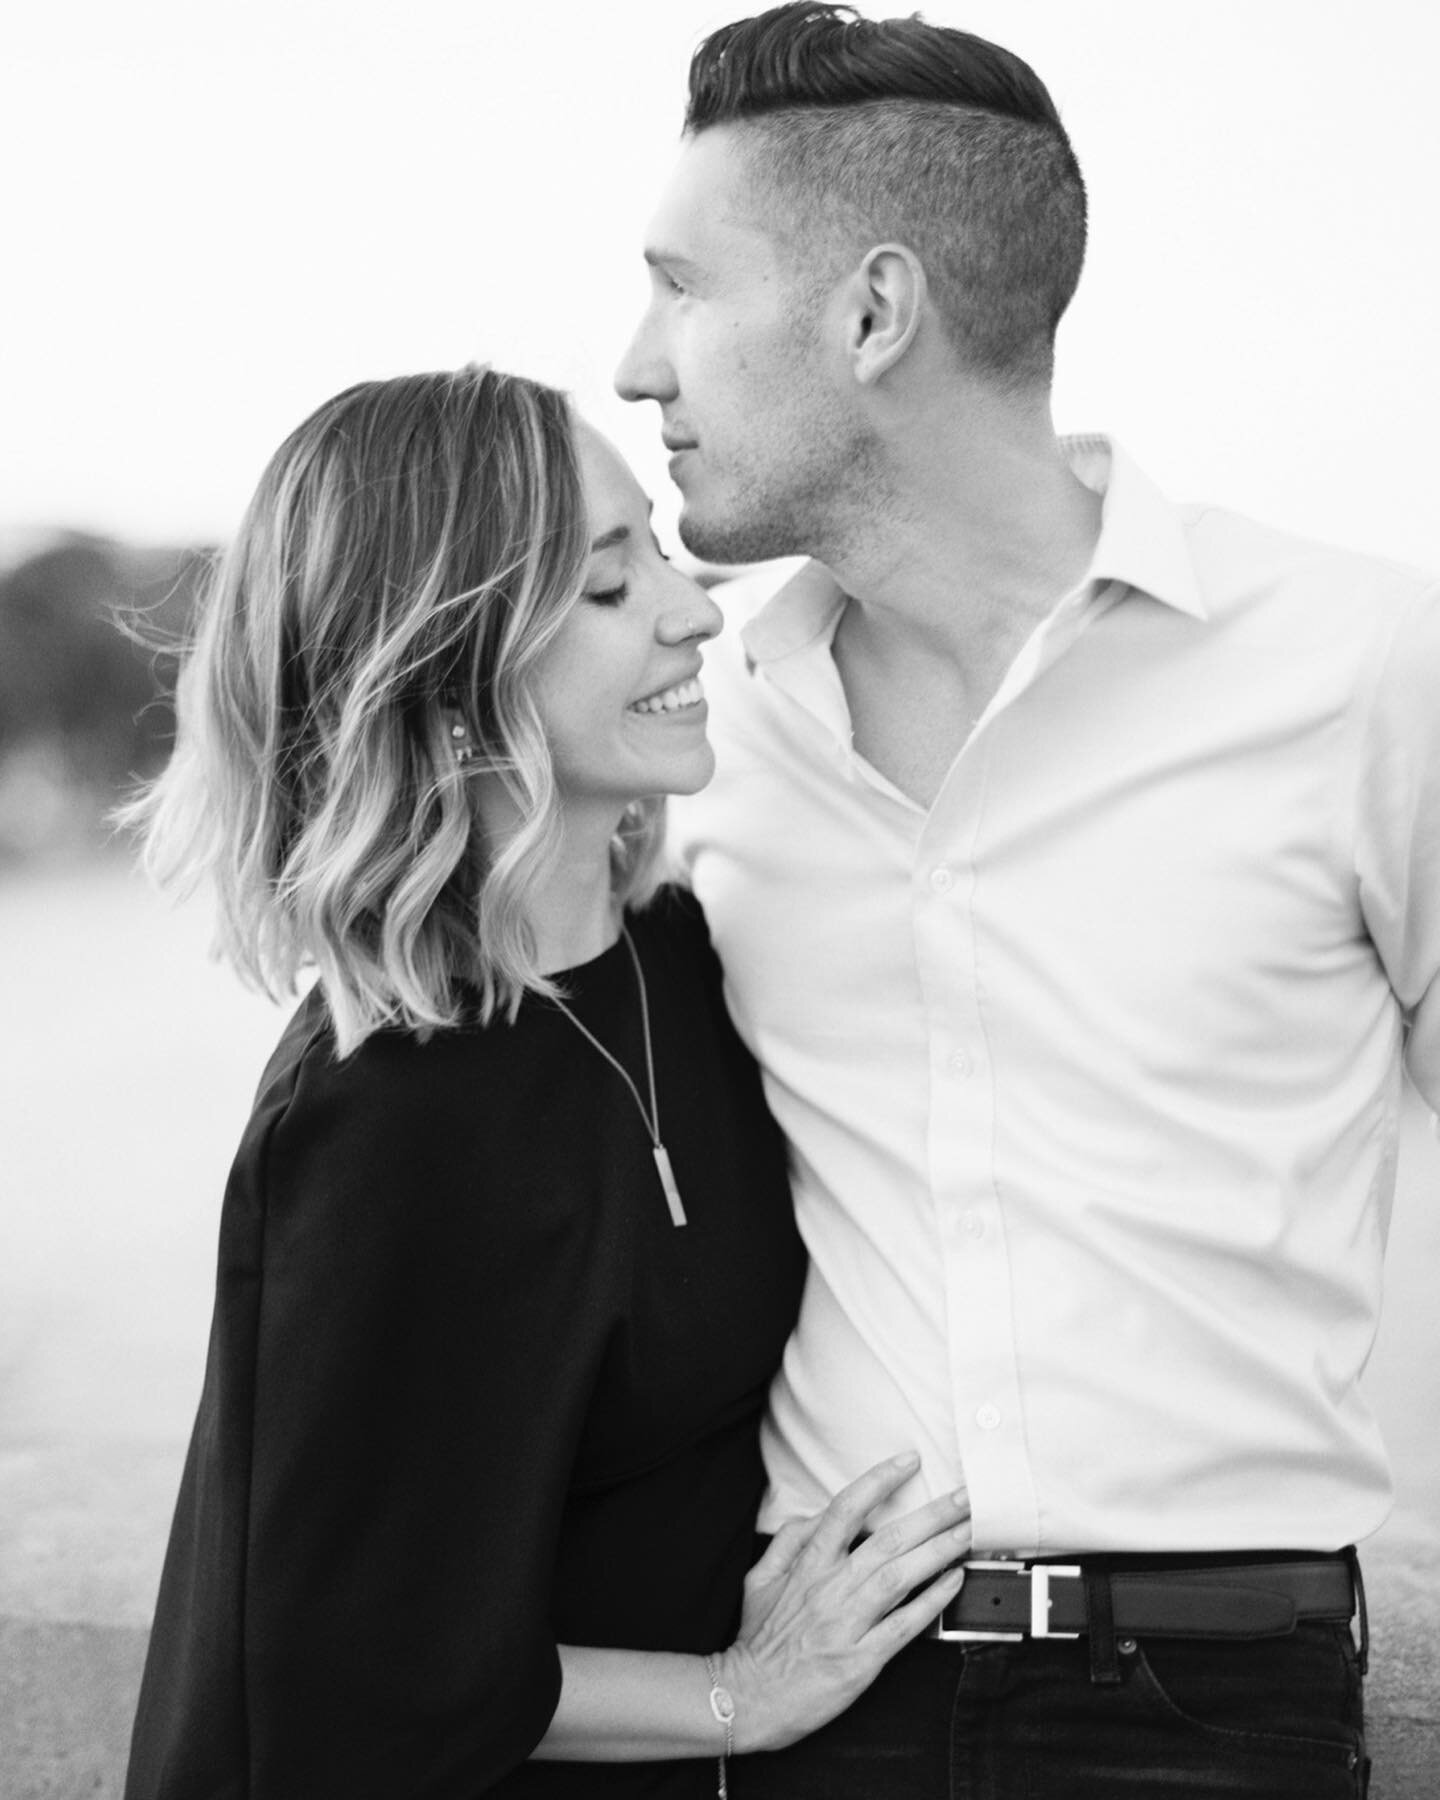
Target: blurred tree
(89, 629)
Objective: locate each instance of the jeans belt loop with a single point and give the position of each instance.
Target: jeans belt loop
(1361, 1610)
(1100, 1616)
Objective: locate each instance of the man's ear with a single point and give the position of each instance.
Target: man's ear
(885, 300)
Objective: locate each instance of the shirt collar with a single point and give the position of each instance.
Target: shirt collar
(1142, 539)
(804, 610)
(1141, 543)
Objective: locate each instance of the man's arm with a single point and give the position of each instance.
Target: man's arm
(1397, 830)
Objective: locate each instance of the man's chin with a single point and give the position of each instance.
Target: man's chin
(731, 542)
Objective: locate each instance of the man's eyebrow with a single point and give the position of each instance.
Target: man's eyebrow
(669, 259)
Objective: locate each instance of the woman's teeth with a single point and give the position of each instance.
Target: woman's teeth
(687, 694)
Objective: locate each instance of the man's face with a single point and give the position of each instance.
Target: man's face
(732, 349)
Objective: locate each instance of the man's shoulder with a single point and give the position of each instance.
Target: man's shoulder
(1240, 560)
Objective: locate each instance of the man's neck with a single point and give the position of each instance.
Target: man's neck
(988, 531)
(991, 531)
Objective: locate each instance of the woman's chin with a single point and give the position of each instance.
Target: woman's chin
(695, 779)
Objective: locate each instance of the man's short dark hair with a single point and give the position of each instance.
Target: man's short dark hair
(916, 133)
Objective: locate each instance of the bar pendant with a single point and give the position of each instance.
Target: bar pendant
(667, 1181)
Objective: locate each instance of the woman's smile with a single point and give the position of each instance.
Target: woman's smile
(685, 697)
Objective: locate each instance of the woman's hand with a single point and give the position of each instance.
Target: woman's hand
(823, 1614)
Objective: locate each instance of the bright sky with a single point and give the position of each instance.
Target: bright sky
(218, 214)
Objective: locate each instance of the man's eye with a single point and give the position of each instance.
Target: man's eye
(608, 596)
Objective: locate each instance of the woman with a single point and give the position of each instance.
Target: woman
(506, 1259)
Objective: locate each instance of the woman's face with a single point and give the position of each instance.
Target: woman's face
(618, 689)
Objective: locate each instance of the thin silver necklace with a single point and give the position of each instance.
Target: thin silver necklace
(652, 1117)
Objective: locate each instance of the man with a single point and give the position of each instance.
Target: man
(1075, 863)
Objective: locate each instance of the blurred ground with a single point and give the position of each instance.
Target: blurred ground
(126, 1071)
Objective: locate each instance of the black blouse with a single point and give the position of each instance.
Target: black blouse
(471, 1394)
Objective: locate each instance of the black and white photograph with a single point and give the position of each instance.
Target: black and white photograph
(720, 901)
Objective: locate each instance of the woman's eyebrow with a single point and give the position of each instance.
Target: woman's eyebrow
(617, 534)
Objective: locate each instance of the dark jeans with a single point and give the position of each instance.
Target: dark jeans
(1277, 1719)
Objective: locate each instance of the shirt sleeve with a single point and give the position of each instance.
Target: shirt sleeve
(422, 1371)
(1398, 832)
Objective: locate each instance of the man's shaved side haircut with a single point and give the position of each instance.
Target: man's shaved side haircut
(900, 131)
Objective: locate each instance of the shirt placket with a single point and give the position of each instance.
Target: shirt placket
(966, 1185)
(984, 1376)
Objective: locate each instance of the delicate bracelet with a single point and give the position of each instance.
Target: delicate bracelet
(722, 1704)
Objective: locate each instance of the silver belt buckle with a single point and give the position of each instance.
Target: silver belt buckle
(1041, 1575)
(948, 1636)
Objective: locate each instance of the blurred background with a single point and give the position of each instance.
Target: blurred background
(214, 217)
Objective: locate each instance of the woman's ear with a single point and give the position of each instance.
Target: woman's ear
(887, 297)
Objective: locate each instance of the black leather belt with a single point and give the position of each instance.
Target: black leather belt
(1007, 1601)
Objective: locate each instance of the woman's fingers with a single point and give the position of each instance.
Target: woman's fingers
(892, 1581)
(844, 1518)
(897, 1536)
(907, 1621)
(781, 1551)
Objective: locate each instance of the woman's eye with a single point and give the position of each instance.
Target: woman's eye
(608, 596)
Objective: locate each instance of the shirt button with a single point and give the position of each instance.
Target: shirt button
(988, 1418)
(941, 880)
(973, 1225)
(961, 1065)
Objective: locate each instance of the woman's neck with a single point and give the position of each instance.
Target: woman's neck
(573, 914)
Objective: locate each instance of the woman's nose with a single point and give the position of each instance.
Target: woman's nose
(691, 614)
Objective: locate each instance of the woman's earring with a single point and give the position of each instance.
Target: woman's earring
(465, 751)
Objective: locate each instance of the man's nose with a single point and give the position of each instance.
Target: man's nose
(643, 372)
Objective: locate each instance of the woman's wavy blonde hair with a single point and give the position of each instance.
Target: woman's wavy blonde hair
(411, 550)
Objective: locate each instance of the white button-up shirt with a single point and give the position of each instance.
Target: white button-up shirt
(1091, 1072)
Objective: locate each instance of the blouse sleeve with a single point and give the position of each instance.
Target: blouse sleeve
(421, 1356)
